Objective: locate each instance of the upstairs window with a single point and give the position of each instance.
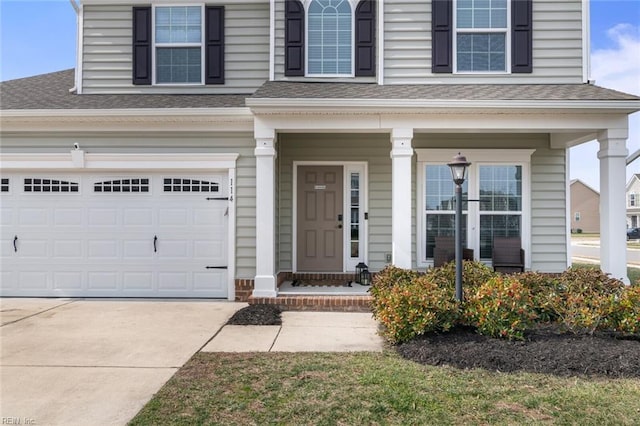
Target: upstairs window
(329, 35)
(632, 200)
(178, 44)
(481, 35)
(330, 38)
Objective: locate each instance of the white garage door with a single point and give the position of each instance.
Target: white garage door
(143, 235)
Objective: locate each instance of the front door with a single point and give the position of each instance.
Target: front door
(320, 219)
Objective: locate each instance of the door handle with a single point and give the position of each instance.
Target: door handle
(155, 243)
(15, 244)
(340, 221)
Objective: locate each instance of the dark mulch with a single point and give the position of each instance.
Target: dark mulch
(544, 351)
(257, 315)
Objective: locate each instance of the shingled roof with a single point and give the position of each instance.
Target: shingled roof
(51, 91)
(524, 92)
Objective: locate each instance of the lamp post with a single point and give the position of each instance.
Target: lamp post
(458, 172)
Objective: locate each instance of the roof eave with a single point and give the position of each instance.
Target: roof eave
(312, 104)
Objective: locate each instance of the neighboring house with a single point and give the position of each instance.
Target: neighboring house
(585, 207)
(633, 202)
(226, 145)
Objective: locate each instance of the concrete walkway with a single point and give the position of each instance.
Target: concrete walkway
(302, 332)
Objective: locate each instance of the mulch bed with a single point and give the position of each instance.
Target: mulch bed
(256, 315)
(544, 351)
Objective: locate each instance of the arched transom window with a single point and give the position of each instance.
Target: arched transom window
(329, 37)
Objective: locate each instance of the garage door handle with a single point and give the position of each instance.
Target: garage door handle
(155, 243)
(15, 244)
(216, 267)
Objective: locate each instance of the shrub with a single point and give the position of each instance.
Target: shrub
(584, 299)
(501, 307)
(540, 285)
(387, 279)
(626, 315)
(413, 308)
(474, 274)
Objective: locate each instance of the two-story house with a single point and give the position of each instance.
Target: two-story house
(198, 148)
(633, 202)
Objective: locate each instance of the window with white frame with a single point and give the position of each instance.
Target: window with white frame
(496, 199)
(481, 42)
(178, 44)
(329, 33)
(632, 200)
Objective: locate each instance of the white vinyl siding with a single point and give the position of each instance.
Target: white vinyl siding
(557, 45)
(107, 54)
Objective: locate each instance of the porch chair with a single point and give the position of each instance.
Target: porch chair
(508, 255)
(445, 251)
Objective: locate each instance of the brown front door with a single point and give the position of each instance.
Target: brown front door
(319, 244)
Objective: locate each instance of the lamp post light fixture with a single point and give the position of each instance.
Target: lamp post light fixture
(458, 173)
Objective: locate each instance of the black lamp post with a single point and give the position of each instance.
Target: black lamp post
(458, 172)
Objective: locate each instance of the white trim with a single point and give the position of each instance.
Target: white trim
(477, 157)
(364, 200)
(586, 42)
(79, 49)
(380, 41)
(567, 200)
(352, 5)
(272, 40)
(507, 42)
(231, 236)
(201, 161)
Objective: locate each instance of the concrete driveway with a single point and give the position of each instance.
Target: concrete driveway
(74, 361)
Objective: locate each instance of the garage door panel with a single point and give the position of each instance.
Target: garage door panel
(33, 280)
(34, 217)
(73, 218)
(103, 217)
(89, 243)
(68, 280)
(138, 217)
(66, 249)
(103, 249)
(102, 280)
(137, 249)
(136, 281)
(210, 281)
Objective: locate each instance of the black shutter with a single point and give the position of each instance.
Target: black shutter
(141, 45)
(293, 38)
(366, 39)
(521, 36)
(214, 45)
(441, 36)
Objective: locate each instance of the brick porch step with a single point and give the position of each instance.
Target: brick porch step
(316, 303)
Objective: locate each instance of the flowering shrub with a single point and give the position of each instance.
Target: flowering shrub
(414, 308)
(474, 274)
(501, 307)
(387, 279)
(540, 286)
(584, 299)
(626, 315)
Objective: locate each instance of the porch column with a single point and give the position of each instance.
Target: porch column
(613, 241)
(401, 212)
(265, 280)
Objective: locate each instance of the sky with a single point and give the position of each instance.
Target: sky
(37, 37)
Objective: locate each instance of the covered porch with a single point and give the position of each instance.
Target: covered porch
(384, 155)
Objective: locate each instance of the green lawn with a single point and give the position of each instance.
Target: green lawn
(370, 388)
(632, 273)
